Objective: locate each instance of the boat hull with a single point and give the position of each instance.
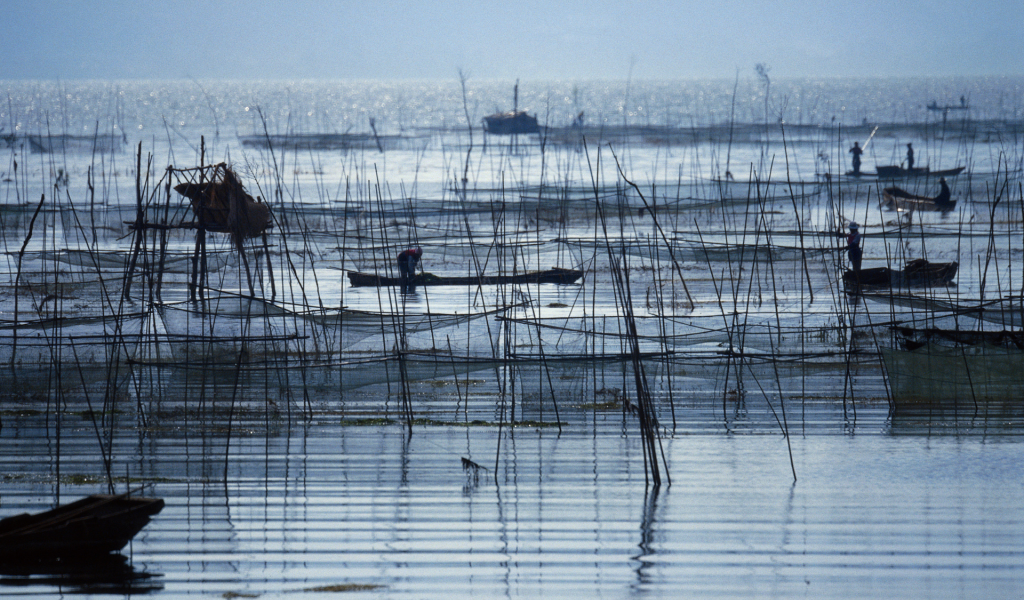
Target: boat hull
(894, 198)
(97, 524)
(898, 172)
(513, 122)
(556, 276)
(918, 273)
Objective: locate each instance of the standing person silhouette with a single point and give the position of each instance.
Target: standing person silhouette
(910, 157)
(856, 151)
(943, 199)
(853, 247)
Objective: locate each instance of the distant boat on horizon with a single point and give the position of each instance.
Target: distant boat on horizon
(511, 122)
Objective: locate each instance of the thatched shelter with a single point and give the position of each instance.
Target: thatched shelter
(222, 204)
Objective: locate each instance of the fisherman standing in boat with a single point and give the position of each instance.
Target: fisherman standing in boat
(407, 261)
(910, 157)
(853, 247)
(856, 151)
(944, 194)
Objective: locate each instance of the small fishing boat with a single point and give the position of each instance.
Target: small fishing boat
(916, 273)
(511, 122)
(898, 172)
(556, 275)
(894, 198)
(95, 525)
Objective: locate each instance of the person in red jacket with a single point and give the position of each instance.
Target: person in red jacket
(407, 261)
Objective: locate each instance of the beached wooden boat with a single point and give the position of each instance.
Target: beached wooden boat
(508, 123)
(898, 172)
(556, 275)
(916, 273)
(894, 198)
(95, 525)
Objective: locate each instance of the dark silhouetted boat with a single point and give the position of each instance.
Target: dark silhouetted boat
(917, 273)
(556, 275)
(894, 198)
(898, 172)
(508, 123)
(512, 122)
(95, 525)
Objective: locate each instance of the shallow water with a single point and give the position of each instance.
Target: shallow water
(503, 457)
(305, 503)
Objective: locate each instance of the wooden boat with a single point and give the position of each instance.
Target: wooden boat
(556, 275)
(898, 172)
(512, 122)
(95, 525)
(894, 198)
(916, 273)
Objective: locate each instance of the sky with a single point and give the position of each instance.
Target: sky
(528, 39)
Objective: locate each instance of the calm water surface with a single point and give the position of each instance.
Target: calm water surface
(886, 506)
(303, 480)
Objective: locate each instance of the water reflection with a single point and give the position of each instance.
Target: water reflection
(965, 419)
(647, 531)
(105, 574)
